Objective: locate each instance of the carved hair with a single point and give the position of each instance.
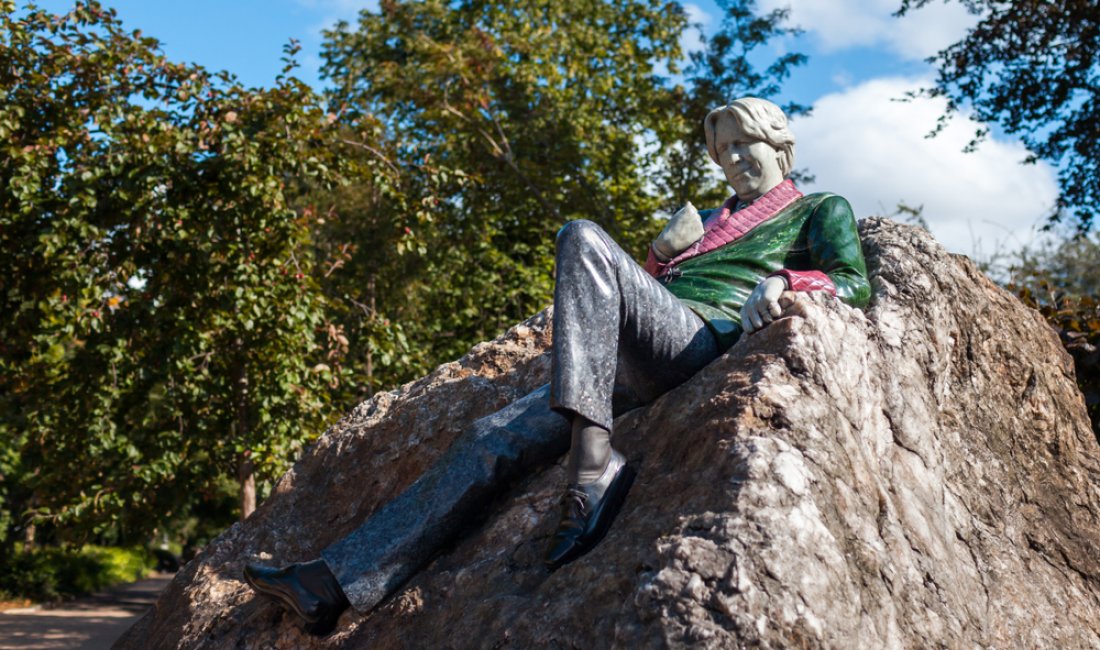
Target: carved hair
(760, 119)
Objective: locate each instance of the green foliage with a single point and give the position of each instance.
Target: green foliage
(1033, 67)
(1071, 264)
(502, 122)
(193, 272)
(374, 263)
(523, 115)
(204, 519)
(162, 322)
(52, 574)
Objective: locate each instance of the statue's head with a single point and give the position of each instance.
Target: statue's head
(751, 142)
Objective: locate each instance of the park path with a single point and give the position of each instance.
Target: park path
(89, 623)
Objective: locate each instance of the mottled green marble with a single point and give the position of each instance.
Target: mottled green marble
(816, 232)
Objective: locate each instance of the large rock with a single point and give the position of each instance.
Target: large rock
(919, 474)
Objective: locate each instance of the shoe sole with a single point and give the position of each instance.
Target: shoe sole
(324, 626)
(276, 594)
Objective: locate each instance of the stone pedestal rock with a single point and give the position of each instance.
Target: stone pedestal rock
(920, 474)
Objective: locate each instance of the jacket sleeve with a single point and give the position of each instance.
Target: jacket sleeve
(836, 255)
(835, 249)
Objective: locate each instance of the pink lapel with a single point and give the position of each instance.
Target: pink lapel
(727, 226)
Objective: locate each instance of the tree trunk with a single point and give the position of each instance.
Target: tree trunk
(247, 478)
(370, 355)
(28, 538)
(30, 530)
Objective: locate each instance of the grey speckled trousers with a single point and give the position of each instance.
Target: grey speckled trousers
(619, 336)
(621, 339)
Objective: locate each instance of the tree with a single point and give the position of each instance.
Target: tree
(191, 270)
(509, 119)
(1072, 264)
(375, 260)
(1033, 67)
(527, 114)
(162, 328)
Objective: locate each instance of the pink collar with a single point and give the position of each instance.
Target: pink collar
(726, 225)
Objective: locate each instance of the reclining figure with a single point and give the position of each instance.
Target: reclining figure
(623, 335)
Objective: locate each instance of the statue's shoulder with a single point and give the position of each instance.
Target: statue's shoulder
(818, 197)
(829, 200)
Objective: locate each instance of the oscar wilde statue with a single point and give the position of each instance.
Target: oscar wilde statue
(623, 335)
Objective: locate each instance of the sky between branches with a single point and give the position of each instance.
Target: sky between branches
(859, 141)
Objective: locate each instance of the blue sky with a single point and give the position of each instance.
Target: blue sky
(859, 141)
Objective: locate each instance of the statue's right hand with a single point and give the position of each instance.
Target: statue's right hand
(683, 229)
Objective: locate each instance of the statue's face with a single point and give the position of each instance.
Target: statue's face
(751, 166)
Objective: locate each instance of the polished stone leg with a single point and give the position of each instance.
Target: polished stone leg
(400, 537)
(621, 339)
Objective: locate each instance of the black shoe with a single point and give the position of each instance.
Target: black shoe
(309, 590)
(587, 511)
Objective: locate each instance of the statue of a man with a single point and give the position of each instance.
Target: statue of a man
(623, 335)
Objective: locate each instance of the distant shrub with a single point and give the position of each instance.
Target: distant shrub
(52, 574)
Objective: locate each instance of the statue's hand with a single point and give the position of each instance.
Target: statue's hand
(683, 229)
(762, 306)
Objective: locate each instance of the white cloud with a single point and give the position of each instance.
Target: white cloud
(840, 24)
(345, 8)
(332, 11)
(698, 22)
(872, 150)
(324, 14)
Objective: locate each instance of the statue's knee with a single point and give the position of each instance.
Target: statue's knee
(578, 232)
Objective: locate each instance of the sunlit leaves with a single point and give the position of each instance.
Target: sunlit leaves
(184, 287)
(162, 320)
(509, 119)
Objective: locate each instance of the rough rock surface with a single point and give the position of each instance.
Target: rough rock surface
(921, 474)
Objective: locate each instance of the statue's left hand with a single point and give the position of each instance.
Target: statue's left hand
(683, 229)
(762, 306)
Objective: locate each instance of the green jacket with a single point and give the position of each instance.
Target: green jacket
(813, 233)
